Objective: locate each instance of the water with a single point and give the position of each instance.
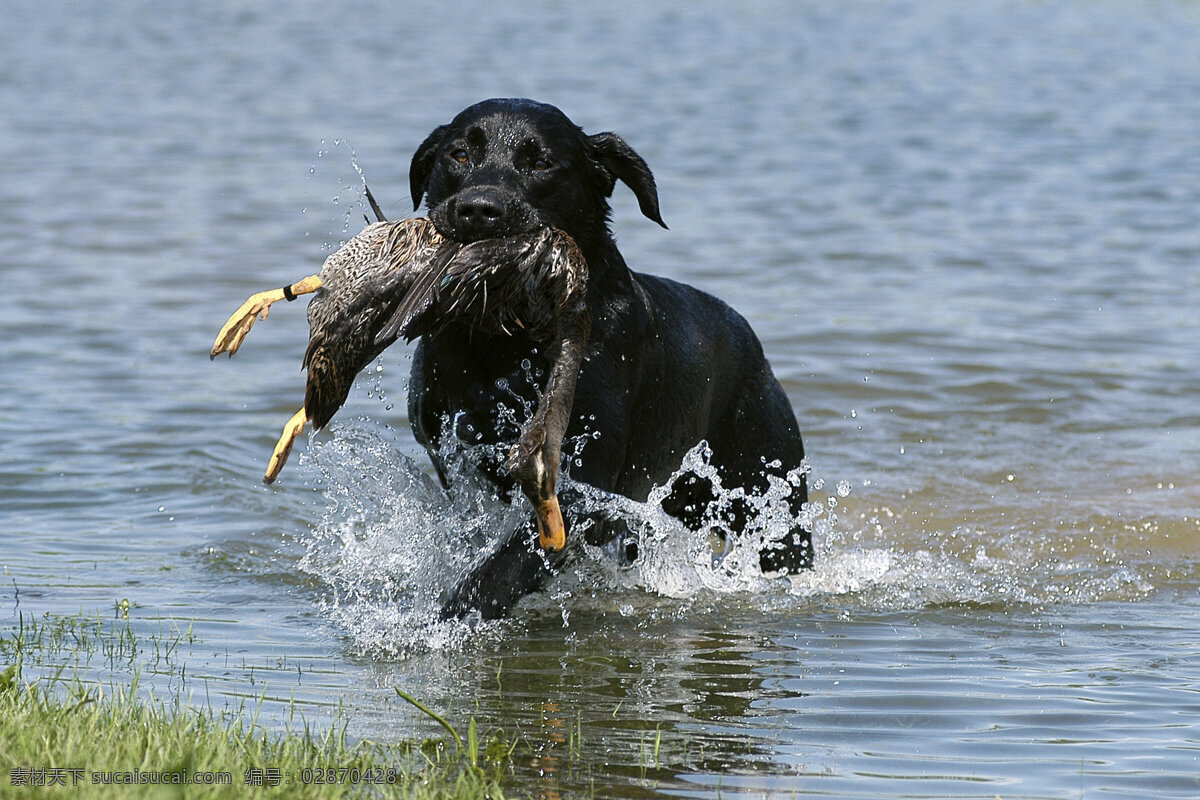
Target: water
(966, 233)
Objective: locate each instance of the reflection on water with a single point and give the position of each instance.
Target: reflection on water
(966, 234)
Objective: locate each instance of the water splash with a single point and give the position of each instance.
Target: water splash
(350, 196)
(676, 561)
(391, 541)
(925, 551)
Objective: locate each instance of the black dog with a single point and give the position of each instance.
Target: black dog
(667, 365)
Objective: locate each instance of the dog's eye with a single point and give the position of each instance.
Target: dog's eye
(460, 156)
(542, 164)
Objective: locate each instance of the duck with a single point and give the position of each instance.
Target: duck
(404, 279)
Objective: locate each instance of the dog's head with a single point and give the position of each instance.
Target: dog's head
(507, 167)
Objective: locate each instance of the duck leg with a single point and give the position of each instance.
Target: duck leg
(257, 307)
(515, 569)
(283, 448)
(534, 458)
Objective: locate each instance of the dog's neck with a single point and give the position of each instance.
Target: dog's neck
(611, 284)
(600, 251)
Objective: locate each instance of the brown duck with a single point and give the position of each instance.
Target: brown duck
(404, 279)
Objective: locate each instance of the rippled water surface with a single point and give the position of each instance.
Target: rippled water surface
(968, 235)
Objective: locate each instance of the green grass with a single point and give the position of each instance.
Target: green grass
(62, 735)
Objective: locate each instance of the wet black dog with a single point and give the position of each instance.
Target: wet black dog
(667, 365)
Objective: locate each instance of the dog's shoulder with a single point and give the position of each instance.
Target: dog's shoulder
(675, 303)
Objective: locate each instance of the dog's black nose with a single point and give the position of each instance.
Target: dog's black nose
(479, 214)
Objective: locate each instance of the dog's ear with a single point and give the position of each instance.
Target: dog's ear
(422, 164)
(619, 160)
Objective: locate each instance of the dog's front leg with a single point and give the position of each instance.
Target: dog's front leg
(517, 568)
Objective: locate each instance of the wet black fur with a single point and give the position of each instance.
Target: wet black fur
(667, 365)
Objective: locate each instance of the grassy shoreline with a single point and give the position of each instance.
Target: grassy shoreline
(64, 735)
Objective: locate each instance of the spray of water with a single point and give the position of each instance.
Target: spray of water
(391, 541)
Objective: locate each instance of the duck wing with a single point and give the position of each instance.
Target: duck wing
(415, 308)
(488, 284)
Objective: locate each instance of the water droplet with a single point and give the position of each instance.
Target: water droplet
(525, 364)
(843, 488)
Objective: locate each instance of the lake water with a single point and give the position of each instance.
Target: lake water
(968, 235)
